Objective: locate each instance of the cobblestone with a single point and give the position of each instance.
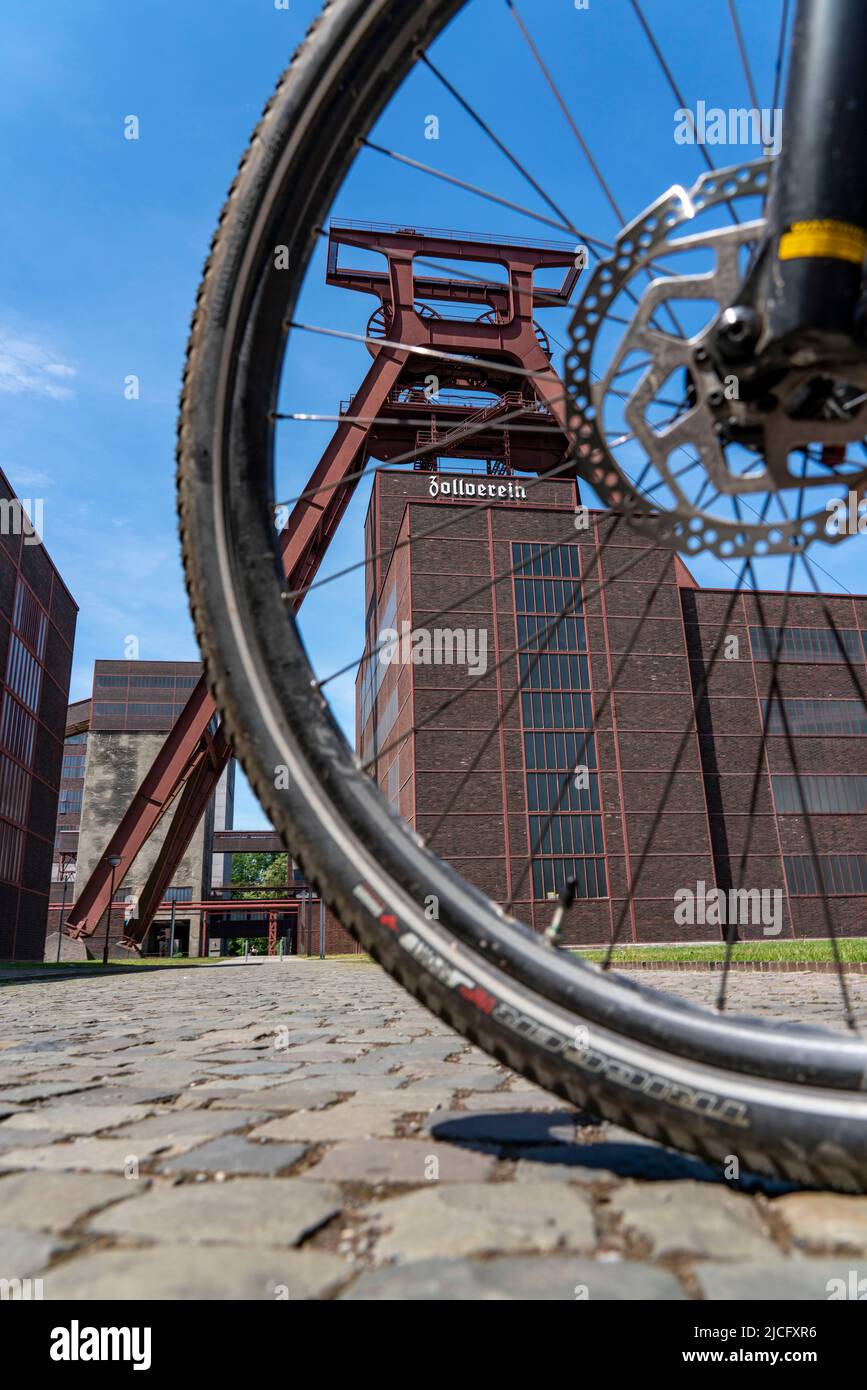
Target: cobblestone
(555, 1277)
(825, 1220)
(685, 1219)
(232, 1153)
(307, 1130)
(208, 1272)
(782, 1280)
(410, 1161)
(247, 1211)
(480, 1219)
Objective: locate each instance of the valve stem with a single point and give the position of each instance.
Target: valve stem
(564, 902)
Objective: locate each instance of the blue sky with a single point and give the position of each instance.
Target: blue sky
(103, 240)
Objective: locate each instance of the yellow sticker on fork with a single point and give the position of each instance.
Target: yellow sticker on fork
(837, 241)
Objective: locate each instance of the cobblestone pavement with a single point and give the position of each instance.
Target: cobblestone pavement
(306, 1130)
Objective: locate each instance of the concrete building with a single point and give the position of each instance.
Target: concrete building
(579, 775)
(133, 706)
(37, 628)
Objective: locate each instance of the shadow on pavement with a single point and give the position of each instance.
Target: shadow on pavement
(564, 1138)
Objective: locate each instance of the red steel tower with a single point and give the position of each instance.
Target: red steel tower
(439, 385)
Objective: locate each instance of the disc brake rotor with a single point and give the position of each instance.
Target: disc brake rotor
(738, 443)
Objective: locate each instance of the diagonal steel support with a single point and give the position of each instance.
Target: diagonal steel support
(198, 789)
(185, 758)
(188, 767)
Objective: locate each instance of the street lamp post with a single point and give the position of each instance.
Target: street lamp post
(113, 860)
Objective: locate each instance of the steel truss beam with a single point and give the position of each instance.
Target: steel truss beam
(189, 764)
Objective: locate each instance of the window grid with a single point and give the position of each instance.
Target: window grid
(30, 619)
(17, 730)
(833, 874)
(547, 562)
(549, 596)
(557, 719)
(540, 632)
(136, 709)
(545, 790)
(806, 644)
(557, 710)
(11, 852)
(374, 670)
(820, 794)
(23, 673)
(14, 783)
(550, 877)
(567, 834)
(69, 801)
(834, 718)
(558, 672)
(561, 751)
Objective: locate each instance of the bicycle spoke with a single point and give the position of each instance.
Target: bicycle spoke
(478, 679)
(510, 704)
(416, 349)
(742, 50)
(480, 192)
(781, 48)
(597, 713)
(678, 95)
(573, 126)
(698, 697)
(776, 692)
(305, 416)
(636, 697)
(504, 149)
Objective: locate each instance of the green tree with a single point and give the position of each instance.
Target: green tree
(267, 872)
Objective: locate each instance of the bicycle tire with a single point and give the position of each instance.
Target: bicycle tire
(788, 1101)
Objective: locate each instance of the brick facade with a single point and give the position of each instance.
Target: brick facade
(660, 700)
(37, 628)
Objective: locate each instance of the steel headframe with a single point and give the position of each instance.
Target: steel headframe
(507, 343)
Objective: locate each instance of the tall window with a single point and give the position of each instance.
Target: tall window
(557, 718)
(806, 644)
(373, 670)
(823, 794)
(819, 717)
(834, 874)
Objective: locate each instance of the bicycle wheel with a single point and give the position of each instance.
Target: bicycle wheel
(788, 1101)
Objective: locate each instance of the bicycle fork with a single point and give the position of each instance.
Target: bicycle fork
(802, 302)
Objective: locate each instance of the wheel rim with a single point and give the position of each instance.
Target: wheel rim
(238, 476)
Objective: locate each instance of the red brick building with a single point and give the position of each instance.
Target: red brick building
(580, 772)
(37, 627)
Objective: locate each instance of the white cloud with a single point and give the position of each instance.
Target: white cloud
(27, 368)
(26, 479)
